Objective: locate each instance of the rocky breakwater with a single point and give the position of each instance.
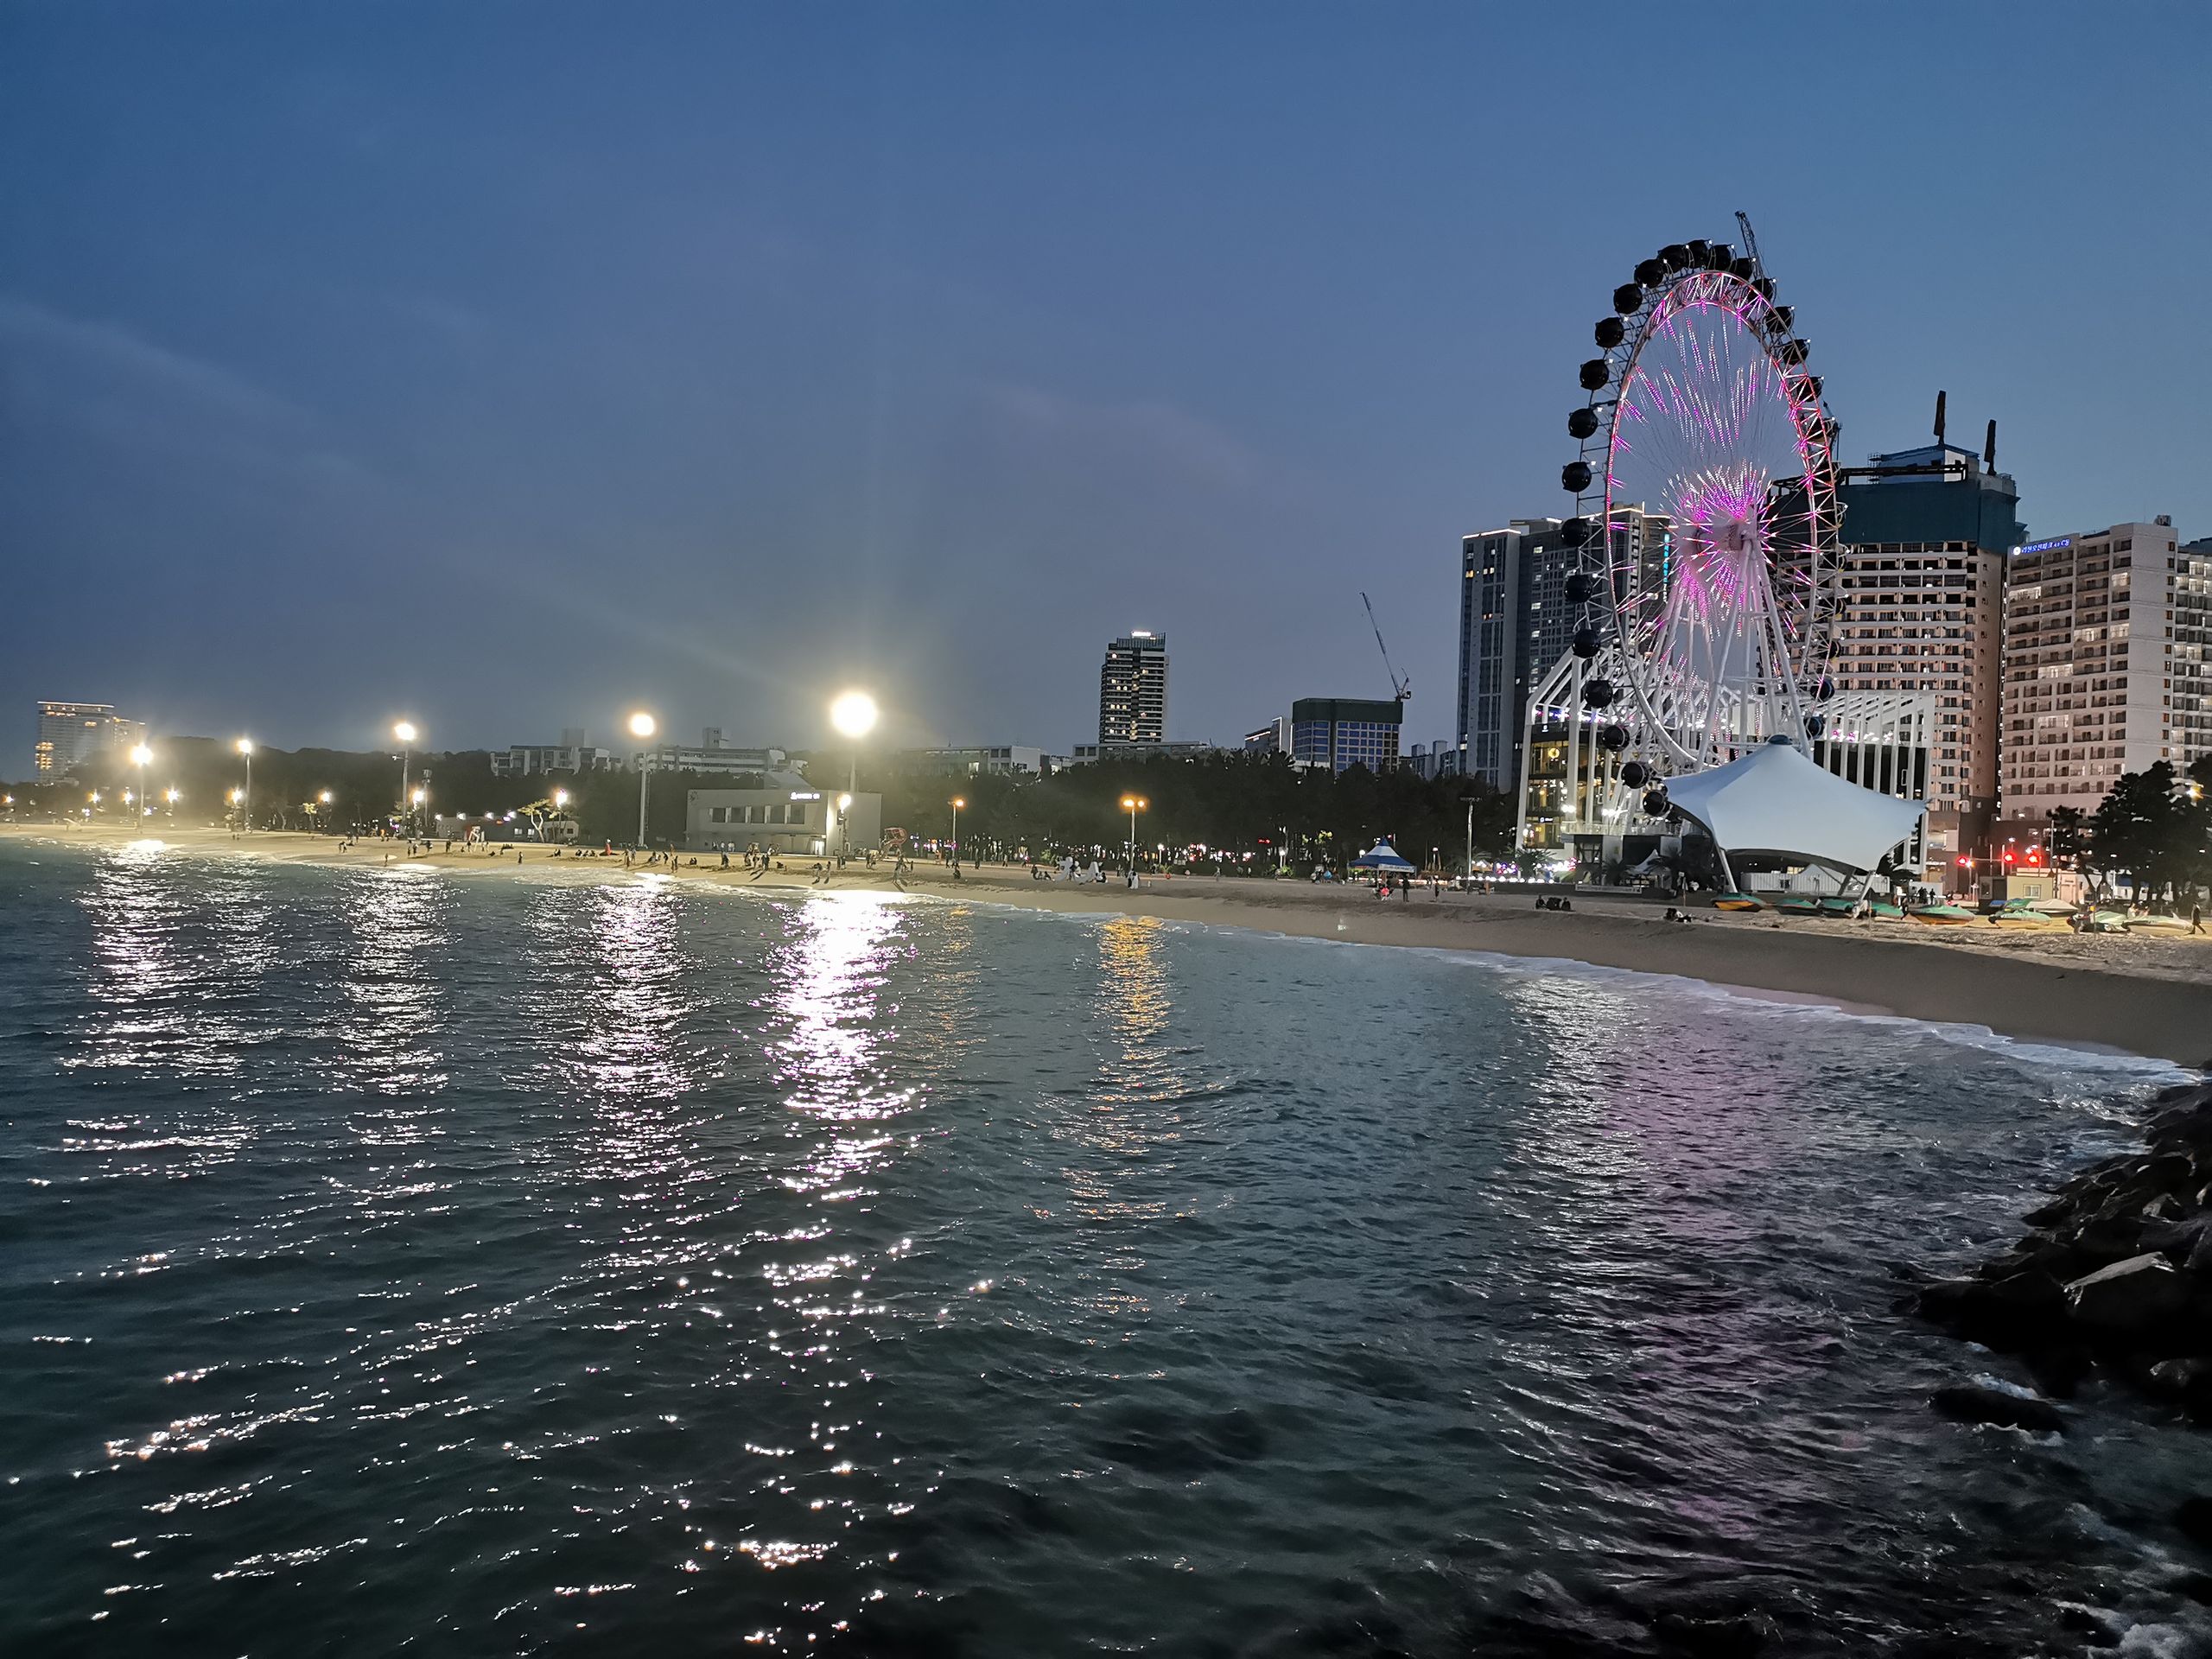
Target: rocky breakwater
(2116, 1272)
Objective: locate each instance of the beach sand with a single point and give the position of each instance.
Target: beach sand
(2141, 994)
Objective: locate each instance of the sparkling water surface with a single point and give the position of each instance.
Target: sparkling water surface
(406, 1262)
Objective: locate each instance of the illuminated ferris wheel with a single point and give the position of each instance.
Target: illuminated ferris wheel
(1706, 521)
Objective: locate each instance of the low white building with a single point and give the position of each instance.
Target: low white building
(806, 822)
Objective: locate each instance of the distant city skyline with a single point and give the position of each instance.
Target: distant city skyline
(511, 375)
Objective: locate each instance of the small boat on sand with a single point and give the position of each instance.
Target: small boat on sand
(1943, 916)
(1798, 906)
(1736, 902)
(2156, 924)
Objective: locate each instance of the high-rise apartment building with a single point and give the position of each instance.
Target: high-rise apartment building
(2105, 636)
(1133, 691)
(1515, 622)
(1926, 533)
(70, 734)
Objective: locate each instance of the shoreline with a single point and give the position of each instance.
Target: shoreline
(2151, 997)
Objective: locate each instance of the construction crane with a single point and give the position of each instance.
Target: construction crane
(1403, 690)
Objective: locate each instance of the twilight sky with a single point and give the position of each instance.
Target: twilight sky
(512, 365)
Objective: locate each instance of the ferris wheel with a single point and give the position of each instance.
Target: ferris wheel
(1706, 521)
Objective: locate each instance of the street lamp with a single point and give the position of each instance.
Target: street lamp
(844, 827)
(140, 754)
(642, 726)
(1134, 805)
(854, 714)
(957, 802)
(245, 748)
(403, 733)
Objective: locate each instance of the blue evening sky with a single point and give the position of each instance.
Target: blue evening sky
(510, 364)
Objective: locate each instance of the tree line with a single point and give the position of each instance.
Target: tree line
(2152, 832)
(1230, 803)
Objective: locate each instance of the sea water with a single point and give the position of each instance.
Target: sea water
(392, 1261)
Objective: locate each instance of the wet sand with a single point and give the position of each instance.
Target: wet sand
(2143, 995)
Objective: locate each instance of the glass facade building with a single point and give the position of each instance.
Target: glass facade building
(1343, 732)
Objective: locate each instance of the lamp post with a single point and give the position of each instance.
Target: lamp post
(844, 826)
(1470, 838)
(405, 732)
(1134, 805)
(414, 802)
(140, 754)
(642, 726)
(245, 748)
(854, 714)
(957, 802)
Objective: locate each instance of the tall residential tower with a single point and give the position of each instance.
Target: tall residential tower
(2104, 635)
(1133, 691)
(1926, 533)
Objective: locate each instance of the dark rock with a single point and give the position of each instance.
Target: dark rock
(2171, 1172)
(1970, 1402)
(2194, 1517)
(2187, 1378)
(2107, 1238)
(2103, 1627)
(2178, 1238)
(2059, 1371)
(2129, 1297)
(1738, 1636)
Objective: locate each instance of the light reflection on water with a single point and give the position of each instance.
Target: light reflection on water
(491, 1266)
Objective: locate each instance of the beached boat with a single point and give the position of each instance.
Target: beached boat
(2020, 917)
(2156, 924)
(1838, 906)
(1943, 916)
(1798, 906)
(1737, 901)
(2108, 921)
(1883, 910)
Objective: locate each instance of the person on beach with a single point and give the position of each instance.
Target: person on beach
(2197, 918)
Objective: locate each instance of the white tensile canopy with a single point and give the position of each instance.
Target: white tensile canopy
(1778, 800)
(1382, 856)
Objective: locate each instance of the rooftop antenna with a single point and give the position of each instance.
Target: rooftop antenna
(1403, 690)
(1939, 418)
(1989, 449)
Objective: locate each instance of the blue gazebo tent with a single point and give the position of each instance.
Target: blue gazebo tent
(1384, 857)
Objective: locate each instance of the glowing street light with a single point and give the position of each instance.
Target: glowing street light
(138, 757)
(956, 805)
(642, 726)
(1134, 805)
(854, 714)
(245, 748)
(403, 734)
